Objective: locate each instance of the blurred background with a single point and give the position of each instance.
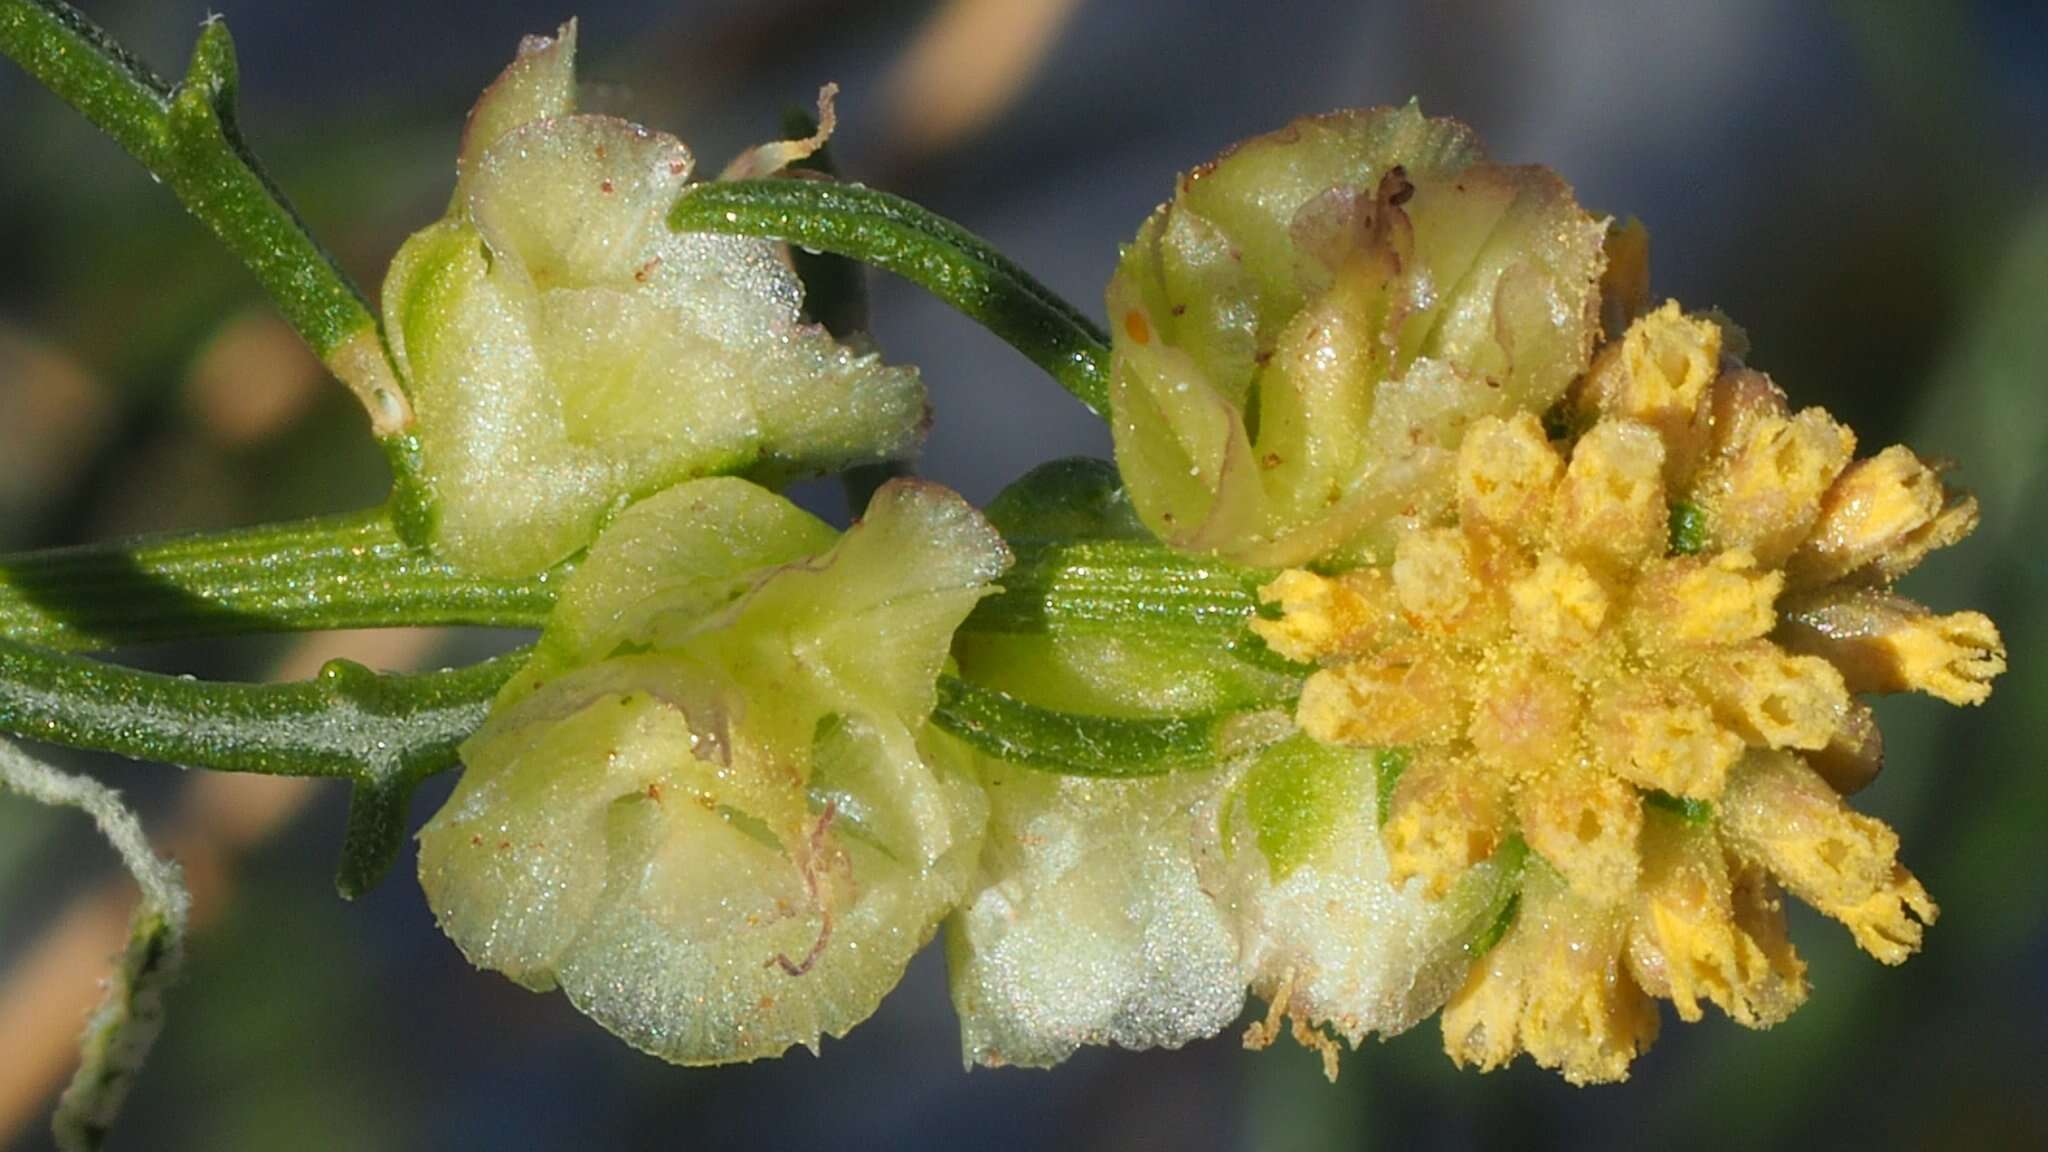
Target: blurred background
(1859, 184)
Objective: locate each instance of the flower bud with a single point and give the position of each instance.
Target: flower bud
(709, 809)
(564, 351)
(1303, 333)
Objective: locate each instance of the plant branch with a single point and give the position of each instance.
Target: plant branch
(1073, 744)
(938, 255)
(187, 137)
(382, 733)
(1119, 584)
(349, 571)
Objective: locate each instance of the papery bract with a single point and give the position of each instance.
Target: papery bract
(709, 809)
(1302, 333)
(565, 352)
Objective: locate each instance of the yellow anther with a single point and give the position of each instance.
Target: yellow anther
(1611, 503)
(1507, 472)
(1443, 818)
(1883, 642)
(1765, 494)
(1657, 375)
(1323, 615)
(1555, 989)
(1694, 601)
(1403, 696)
(1779, 812)
(1585, 823)
(1661, 736)
(1686, 943)
(1871, 509)
(1779, 701)
(1559, 606)
(1525, 719)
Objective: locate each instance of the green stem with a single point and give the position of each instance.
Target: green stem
(938, 255)
(836, 296)
(1118, 584)
(1072, 744)
(187, 137)
(349, 571)
(383, 733)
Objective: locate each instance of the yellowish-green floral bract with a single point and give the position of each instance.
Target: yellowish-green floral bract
(1301, 334)
(565, 352)
(710, 810)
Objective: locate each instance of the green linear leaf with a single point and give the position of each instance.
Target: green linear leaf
(188, 137)
(382, 732)
(895, 235)
(349, 571)
(1073, 744)
(1118, 583)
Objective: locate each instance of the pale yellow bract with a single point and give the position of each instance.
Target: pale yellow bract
(564, 352)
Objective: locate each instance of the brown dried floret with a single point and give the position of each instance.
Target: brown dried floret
(1883, 642)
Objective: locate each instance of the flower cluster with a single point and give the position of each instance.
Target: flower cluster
(1664, 713)
(710, 809)
(1301, 332)
(564, 352)
(1499, 640)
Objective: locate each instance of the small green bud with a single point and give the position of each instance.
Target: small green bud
(565, 352)
(1302, 334)
(710, 809)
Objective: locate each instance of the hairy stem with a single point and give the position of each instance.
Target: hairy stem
(383, 733)
(938, 255)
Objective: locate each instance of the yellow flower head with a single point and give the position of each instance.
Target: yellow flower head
(1634, 649)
